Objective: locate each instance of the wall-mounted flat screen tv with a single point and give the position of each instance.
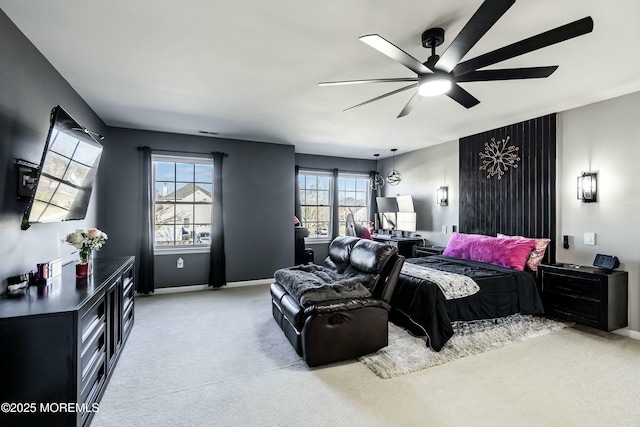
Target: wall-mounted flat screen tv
(67, 173)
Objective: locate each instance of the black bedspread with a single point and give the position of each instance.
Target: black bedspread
(420, 306)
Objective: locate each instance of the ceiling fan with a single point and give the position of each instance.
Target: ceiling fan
(441, 74)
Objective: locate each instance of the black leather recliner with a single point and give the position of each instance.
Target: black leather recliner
(341, 329)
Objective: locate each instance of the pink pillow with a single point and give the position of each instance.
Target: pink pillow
(505, 252)
(537, 254)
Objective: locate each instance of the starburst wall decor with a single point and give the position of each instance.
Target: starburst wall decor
(498, 157)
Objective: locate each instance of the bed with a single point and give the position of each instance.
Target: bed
(515, 197)
(426, 308)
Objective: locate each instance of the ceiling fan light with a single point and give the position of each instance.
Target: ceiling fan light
(434, 85)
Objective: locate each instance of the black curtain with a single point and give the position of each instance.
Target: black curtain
(297, 209)
(335, 213)
(373, 206)
(217, 265)
(145, 282)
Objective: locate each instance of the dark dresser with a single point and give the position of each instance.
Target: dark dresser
(59, 344)
(587, 295)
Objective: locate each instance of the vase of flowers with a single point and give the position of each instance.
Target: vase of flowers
(86, 241)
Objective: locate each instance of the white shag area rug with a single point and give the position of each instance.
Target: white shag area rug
(407, 353)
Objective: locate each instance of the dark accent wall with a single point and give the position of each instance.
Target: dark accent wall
(29, 88)
(258, 190)
(523, 201)
(258, 181)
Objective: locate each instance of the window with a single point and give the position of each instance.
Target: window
(353, 196)
(316, 200)
(183, 206)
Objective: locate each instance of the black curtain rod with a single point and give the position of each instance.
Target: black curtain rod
(182, 152)
(302, 168)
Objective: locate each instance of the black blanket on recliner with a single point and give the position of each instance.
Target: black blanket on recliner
(312, 283)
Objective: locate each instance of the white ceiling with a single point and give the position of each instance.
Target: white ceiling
(248, 69)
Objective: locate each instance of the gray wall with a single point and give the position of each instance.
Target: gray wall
(603, 138)
(423, 171)
(258, 192)
(30, 87)
(343, 164)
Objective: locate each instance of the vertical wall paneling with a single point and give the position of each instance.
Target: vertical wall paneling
(519, 198)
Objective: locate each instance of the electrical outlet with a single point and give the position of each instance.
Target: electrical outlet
(444, 229)
(180, 263)
(590, 239)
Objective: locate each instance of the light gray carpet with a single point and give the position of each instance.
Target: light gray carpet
(217, 358)
(407, 353)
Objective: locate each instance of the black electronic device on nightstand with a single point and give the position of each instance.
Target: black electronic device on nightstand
(606, 262)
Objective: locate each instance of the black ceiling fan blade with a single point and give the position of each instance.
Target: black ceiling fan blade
(508, 74)
(383, 96)
(410, 105)
(548, 38)
(462, 97)
(384, 46)
(481, 21)
(352, 82)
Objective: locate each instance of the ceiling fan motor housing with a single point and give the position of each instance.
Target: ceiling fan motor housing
(433, 37)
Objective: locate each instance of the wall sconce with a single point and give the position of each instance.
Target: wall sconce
(443, 196)
(587, 187)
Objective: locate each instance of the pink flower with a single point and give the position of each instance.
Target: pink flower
(92, 233)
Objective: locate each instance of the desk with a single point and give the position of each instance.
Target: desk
(404, 244)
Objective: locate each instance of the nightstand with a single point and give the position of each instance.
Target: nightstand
(405, 245)
(586, 295)
(419, 251)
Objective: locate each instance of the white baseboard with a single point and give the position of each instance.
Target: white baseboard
(250, 283)
(192, 288)
(629, 333)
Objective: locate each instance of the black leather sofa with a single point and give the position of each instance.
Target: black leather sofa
(345, 328)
